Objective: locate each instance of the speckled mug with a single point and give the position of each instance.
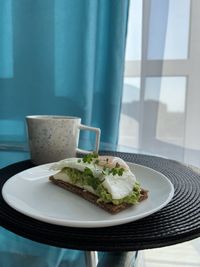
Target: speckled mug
(52, 138)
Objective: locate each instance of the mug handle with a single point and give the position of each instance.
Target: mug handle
(97, 141)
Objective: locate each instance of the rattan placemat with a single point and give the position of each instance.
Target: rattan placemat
(177, 222)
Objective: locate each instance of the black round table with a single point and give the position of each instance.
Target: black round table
(179, 221)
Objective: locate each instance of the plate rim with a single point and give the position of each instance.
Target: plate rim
(89, 223)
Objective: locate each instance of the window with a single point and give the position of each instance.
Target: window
(161, 84)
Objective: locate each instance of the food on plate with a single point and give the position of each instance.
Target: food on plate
(106, 181)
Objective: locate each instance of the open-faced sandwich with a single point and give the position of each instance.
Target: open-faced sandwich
(106, 181)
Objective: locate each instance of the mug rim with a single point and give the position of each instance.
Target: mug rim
(54, 117)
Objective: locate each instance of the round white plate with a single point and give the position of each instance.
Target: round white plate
(31, 193)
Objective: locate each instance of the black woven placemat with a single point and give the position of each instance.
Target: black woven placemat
(177, 222)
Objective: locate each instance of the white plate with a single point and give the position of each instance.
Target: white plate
(30, 193)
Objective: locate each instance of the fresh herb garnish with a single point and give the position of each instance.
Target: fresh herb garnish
(93, 158)
(90, 157)
(117, 170)
(120, 171)
(114, 171)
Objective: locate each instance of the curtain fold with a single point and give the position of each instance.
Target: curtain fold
(68, 59)
(6, 39)
(109, 68)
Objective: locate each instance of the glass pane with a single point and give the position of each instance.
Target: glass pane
(169, 29)
(129, 122)
(134, 37)
(165, 107)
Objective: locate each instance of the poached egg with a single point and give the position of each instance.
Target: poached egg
(119, 186)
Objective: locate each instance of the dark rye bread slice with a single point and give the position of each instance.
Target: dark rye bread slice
(111, 208)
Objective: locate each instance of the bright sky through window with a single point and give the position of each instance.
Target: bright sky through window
(168, 30)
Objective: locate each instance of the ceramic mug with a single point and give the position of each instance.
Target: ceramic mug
(53, 138)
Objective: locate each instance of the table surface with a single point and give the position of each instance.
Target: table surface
(179, 221)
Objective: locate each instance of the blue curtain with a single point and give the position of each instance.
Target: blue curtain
(58, 57)
(61, 57)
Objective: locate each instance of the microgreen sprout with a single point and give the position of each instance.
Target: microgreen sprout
(89, 158)
(93, 158)
(117, 171)
(114, 171)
